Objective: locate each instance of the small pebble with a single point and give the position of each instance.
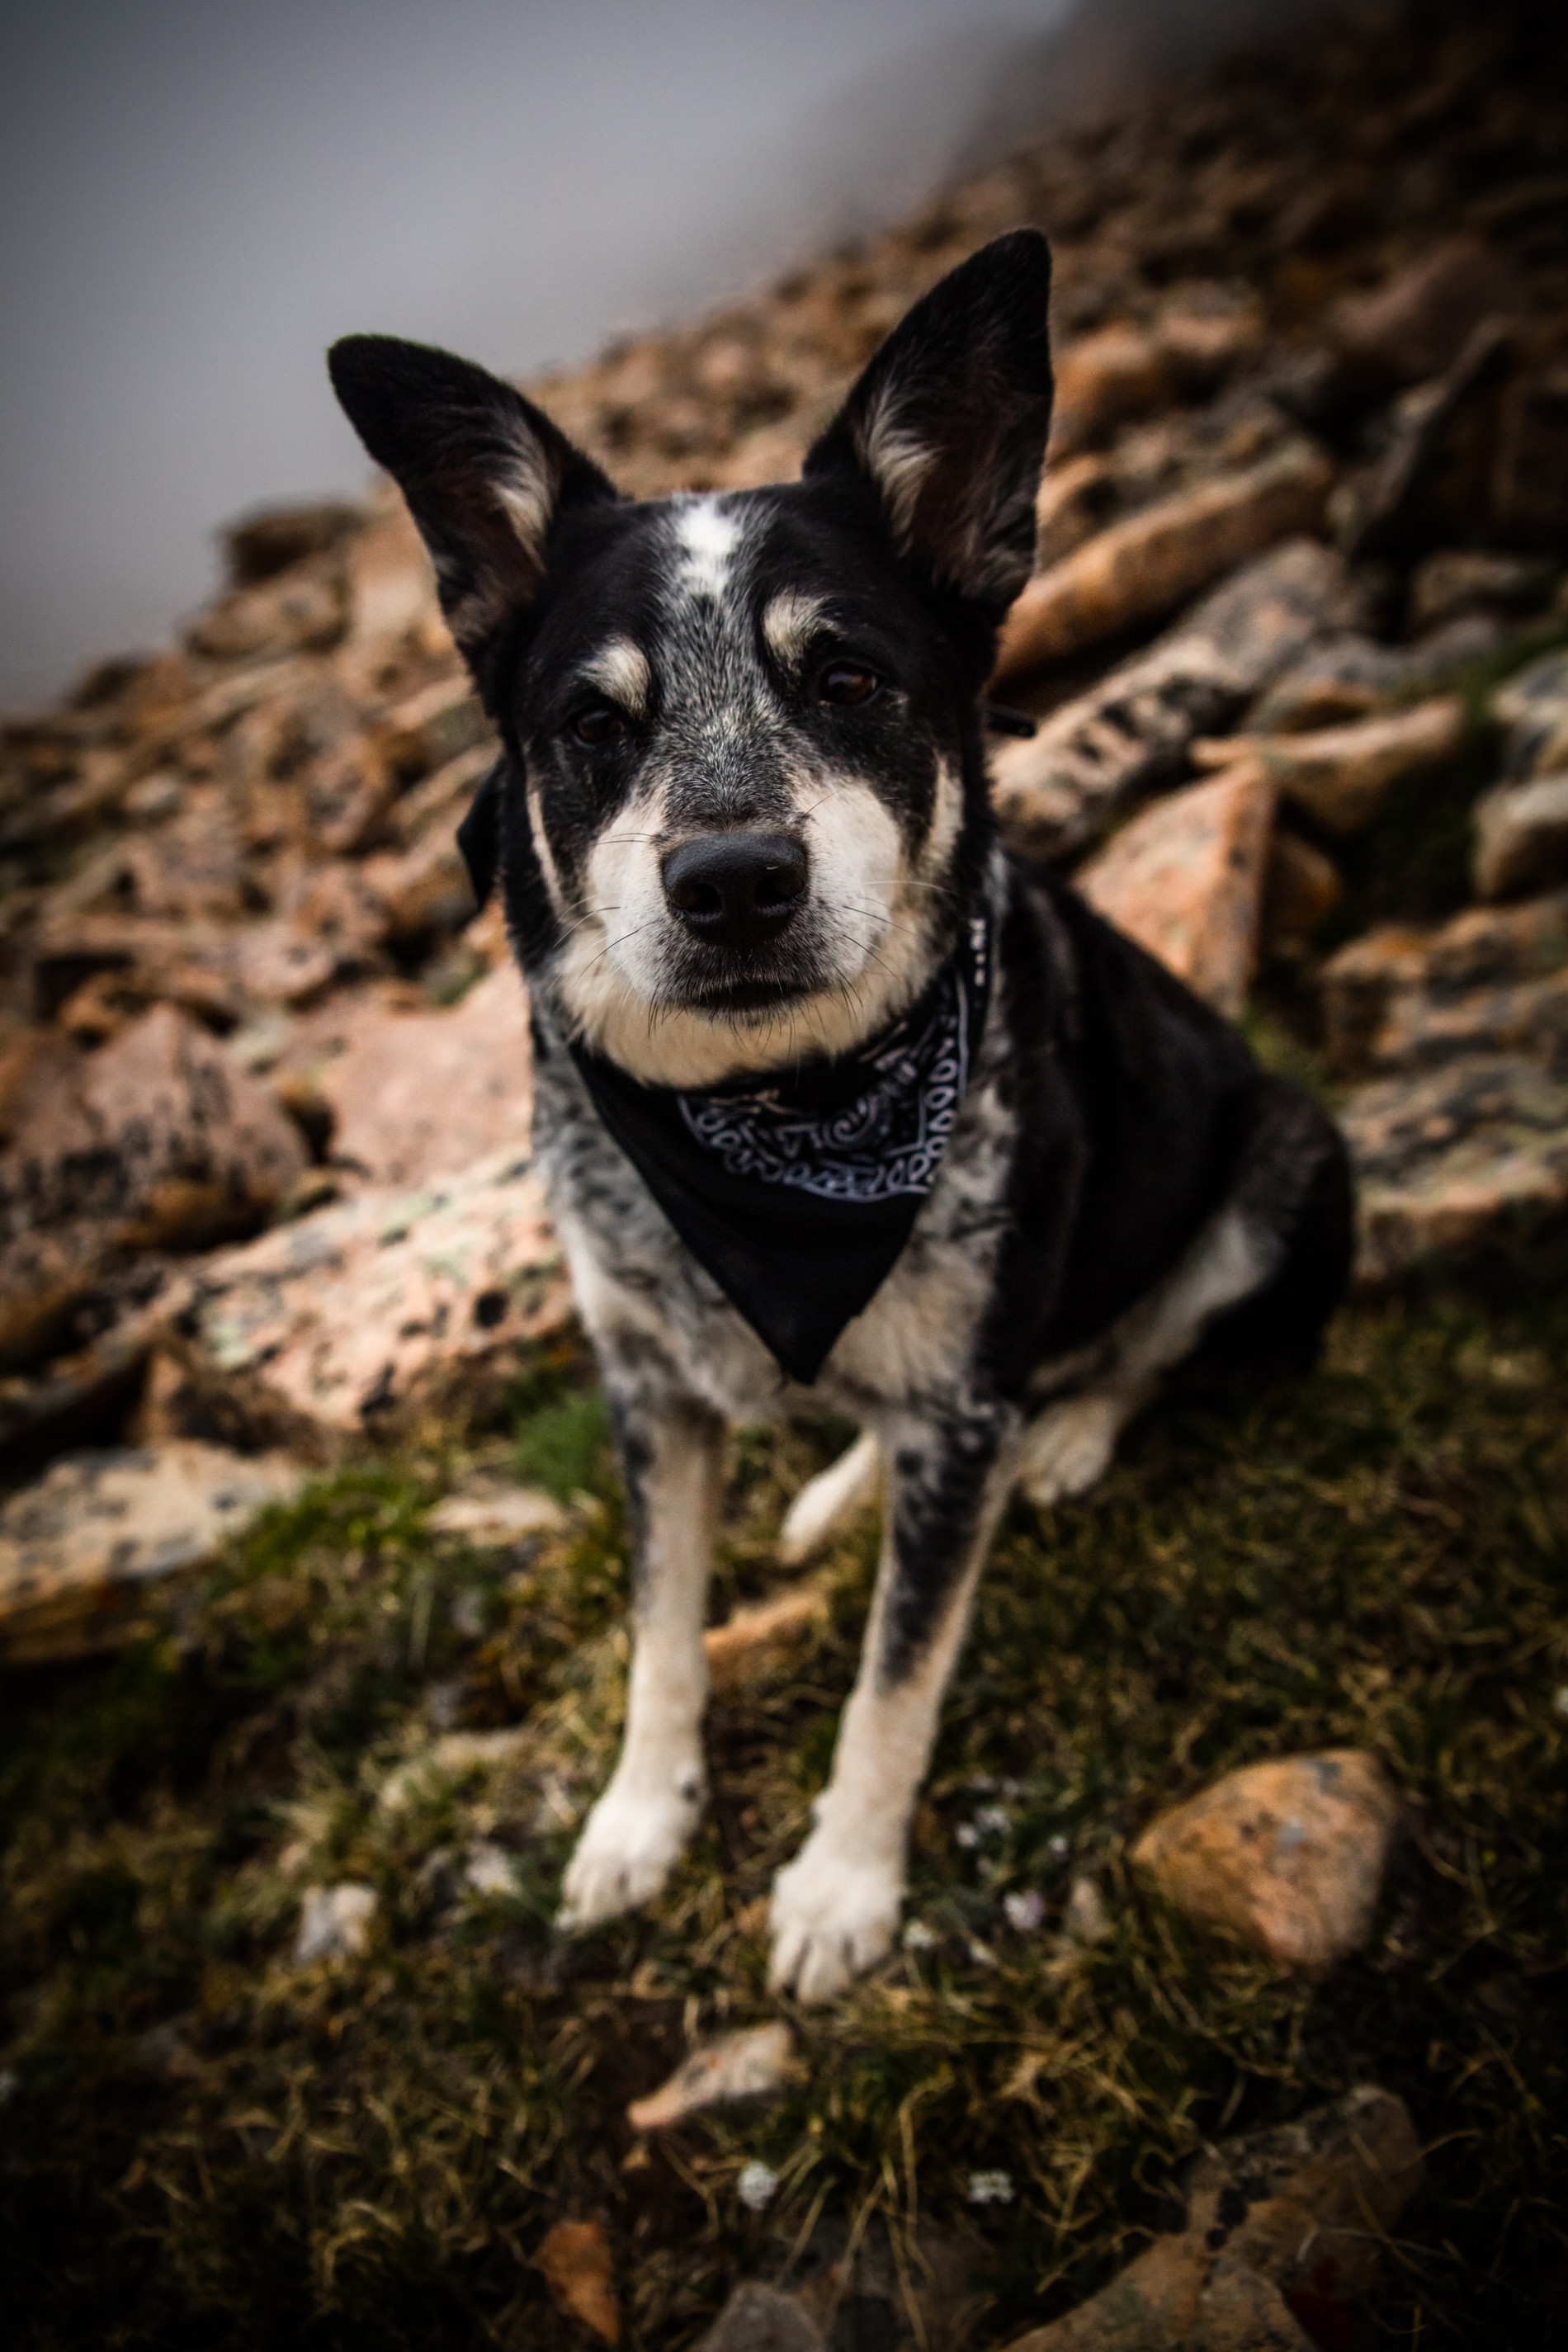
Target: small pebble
(917, 1937)
(991, 2188)
(756, 2185)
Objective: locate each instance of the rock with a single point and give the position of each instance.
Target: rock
(1288, 1857)
(1341, 776)
(335, 1923)
(1102, 753)
(575, 2259)
(359, 1318)
(410, 1095)
(302, 609)
(752, 1637)
(1103, 377)
(1484, 949)
(1534, 707)
(1141, 568)
(1462, 580)
(1184, 878)
(79, 1546)
(442, 722)
(1467, 1159)
(1521, 837)
(1076, 497)
(274, 539)
(158, 1139)
(1417, 323)
(1085, 1921)
(747, 2064)
(1294, 2217)
(1301, 889)
(1429, 482)
(760, 2320)
(490, 1513)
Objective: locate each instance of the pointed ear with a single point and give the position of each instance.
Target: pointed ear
(948, 422)
(485, 473)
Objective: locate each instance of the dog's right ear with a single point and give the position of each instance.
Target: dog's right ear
(485, 474)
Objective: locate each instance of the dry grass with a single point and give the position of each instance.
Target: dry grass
(204, 2143)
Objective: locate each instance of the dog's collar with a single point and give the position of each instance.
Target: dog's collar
(797, 1194)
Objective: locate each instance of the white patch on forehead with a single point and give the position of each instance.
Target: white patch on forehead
(620, 669)
(790, 623)
(707, 538)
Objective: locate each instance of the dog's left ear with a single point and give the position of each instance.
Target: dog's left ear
(949, 421)
(485, 473)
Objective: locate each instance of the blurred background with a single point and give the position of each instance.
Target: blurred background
(197, 200)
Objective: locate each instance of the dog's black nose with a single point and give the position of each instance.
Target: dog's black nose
(736, 889)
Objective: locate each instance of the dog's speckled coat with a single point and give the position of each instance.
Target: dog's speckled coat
(1123, 1184)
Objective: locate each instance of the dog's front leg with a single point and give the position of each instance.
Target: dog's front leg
(671, 1452)
(835, 1907)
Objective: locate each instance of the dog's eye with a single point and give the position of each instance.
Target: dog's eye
(847, 684)
(598, 723)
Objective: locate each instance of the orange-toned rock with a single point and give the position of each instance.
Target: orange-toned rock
(575, 2259)
(1165, 552)
(413, 1093)
(1302, 888)
(366, 1313)
(1288, 1857)
(1418, 322)
(746, 2065)
(1341, 775)
(1184, 878)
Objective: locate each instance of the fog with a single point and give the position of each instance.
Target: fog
(197, 199)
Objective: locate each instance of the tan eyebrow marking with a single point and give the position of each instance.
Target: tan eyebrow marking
(789, 623)
(620, 669)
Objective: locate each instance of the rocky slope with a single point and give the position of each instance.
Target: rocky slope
(1293, 645)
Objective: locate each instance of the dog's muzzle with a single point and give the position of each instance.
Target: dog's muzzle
(735, 890)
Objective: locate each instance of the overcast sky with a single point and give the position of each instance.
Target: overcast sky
(195, 197)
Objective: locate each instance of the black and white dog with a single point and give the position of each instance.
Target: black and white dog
(832, 1095)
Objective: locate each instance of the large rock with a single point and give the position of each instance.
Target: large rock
(1462, 1160)
(410, 1093)
(1341, 776)
(157, 1140)
(1381, 993)
(1292, 2218)
(362, 1316)
(78, 1548)
(1142, 567)
(1534, 707)
(1184, 878)
(1287, 1857)
(1128, 737)
(1417, 322)
(1521, 837)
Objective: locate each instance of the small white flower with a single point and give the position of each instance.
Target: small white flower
(756, 2185)
(1057, 1847)
(993, 1820)
(1025, 1909)
(918, 1937)
(968, 1836)
(991, 2188)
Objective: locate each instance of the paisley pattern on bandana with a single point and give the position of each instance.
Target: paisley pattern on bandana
(890, 1138)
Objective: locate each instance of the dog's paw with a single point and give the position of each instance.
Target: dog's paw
(834, 1915)
(1068, 1449)
(828, 1503)
(631, 1841)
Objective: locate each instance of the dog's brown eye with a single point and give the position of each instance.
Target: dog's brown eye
(846, 684)
(600, 723)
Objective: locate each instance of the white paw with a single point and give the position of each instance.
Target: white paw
(631, 1841)
(826, 1504)
(1069, 1447)
(834, 1915)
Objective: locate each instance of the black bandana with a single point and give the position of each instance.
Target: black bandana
(797, 1196)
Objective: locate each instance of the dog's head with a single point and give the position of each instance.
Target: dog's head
(742, 811)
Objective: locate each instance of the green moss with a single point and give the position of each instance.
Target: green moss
(206, 2143)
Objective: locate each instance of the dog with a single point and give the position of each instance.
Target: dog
(835, 1099)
